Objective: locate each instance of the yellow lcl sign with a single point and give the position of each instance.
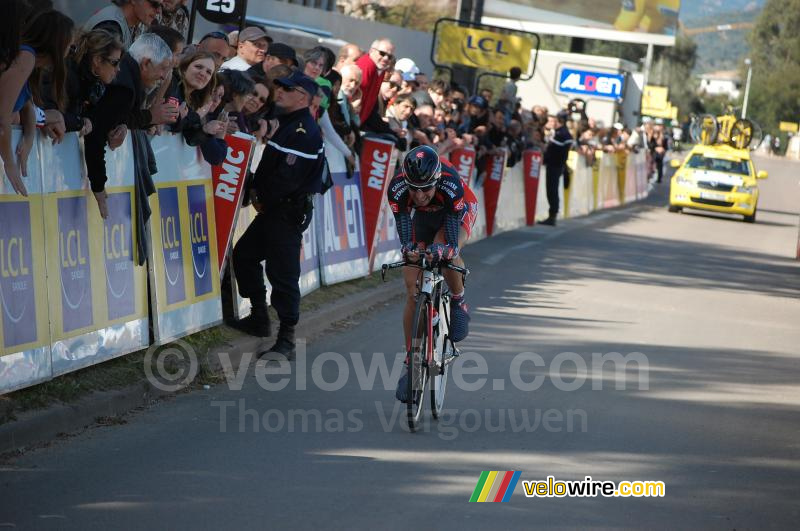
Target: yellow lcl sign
(482, 49)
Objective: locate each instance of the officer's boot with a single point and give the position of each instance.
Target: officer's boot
(257, 323)
(285, 343)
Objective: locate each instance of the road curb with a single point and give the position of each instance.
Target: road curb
(36, 428)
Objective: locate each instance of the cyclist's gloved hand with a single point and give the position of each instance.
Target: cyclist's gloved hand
(441, 251)
(408, 248)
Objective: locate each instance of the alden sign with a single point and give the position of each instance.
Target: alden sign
(482, 49)
(585, 83)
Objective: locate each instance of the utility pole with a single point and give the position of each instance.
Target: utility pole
(747, 87)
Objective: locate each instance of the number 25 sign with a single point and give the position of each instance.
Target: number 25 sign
(222, 11)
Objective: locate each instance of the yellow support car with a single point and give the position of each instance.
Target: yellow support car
(719, 178)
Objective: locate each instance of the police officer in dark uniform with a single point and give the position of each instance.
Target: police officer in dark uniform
(555, 162)
(289, 174)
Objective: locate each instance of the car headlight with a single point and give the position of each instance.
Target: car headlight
(683, 180)
(746, 189)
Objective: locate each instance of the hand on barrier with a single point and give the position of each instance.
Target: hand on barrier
(54, 126)
(87, 127)
(12, 172)
(117, 136)
(101, 203)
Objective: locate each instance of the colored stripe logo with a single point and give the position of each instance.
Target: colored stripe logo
(495, 486)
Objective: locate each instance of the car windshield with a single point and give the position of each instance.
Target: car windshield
(701, 162)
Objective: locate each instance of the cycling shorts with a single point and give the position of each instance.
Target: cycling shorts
(427, 224)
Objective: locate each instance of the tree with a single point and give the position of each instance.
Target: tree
(673, 68)
(775, 57)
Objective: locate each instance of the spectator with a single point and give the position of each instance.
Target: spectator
(251, 48)
(315, 62)
(477, 116)
(277, 54)
(215, 43)
(389, 90)
(175, 15)
(373, 65)
(123, 17)
(239, 87)
(146, 64)
(435, 96)
(555, 160)
(421, 79)
(350, 94)
(42, 43)
(658, 145)
(345, 127)
(91, 68)
(318, 61)
(173, 38)
(194, 84)
(540, 113)
(258, 108)
(508, 96)
(348, 55)
(398, 114)
(487, 94)
(289, 173)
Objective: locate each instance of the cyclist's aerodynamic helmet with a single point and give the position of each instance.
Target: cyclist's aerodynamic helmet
(422, 167)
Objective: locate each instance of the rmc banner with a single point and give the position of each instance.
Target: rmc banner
(495, 169)
(464, 161)
(531, 168)
(378, 158)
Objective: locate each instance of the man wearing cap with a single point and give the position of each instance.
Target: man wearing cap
(555, 160)
(477, 115)
(277, 54)
(289, 173)
(250, 50)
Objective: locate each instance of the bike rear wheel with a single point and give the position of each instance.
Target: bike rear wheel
(442, 349)
(418, 364)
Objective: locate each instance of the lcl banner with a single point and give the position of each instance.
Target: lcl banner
(378, 158)
(495, 169)
(228, 182)
(532, 166)
(464, 161)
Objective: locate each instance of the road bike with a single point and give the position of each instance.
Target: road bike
(432, 351)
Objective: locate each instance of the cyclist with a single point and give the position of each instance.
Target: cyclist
(444, 212)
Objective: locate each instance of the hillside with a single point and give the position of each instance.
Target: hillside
(719, 50)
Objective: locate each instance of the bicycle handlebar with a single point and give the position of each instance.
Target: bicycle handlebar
(424, 264)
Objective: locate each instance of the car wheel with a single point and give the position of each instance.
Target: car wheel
(674, 208)
(751, 218)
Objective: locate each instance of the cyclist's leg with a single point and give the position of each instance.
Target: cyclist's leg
(410, 275)
(454, 279)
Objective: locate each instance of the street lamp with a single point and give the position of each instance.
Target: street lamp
(747, 87)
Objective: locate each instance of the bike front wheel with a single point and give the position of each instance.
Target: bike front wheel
(418, 363)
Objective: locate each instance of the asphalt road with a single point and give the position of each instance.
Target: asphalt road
(709, 307)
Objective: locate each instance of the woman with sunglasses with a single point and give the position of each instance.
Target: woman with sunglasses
(259, 109)
(91, 67)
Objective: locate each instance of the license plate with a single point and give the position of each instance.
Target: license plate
(712, 195)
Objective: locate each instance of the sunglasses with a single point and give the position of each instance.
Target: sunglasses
(394, 85)
(423, 189)
(387, 55)
(260, 98)
(292, 89)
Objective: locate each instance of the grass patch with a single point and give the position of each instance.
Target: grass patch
(129, 370)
